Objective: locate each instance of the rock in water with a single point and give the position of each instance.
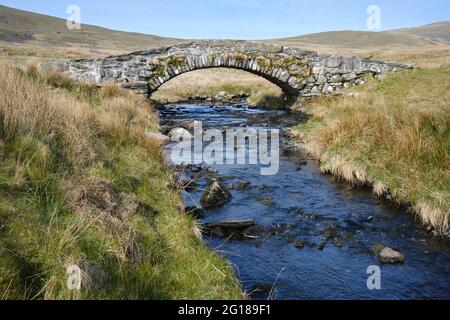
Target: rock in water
(257, 231)
(299, 244)
(228, 228)
(389, 256)
(178, 134)
(216, 195)
(195, 212)
(158, 137)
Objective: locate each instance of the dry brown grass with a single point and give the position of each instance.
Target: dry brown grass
(27, 111)
(203, 84)
(427, 57)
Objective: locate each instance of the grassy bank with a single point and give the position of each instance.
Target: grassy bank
(394, 135)
(81, 185)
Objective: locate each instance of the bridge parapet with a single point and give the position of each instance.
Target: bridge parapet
(297, 72)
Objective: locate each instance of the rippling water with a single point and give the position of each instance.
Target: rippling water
(304, 202)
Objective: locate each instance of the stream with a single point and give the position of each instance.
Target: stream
(302, 207)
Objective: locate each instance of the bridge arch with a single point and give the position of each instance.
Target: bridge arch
(283, 72)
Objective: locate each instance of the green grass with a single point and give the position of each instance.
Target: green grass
(80, 184)
(395, 136)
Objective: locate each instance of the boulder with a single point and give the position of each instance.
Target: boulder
(163, 139)
(233, 229)
(390, 256)
(216, 195)
(177, 134)
(315, 91)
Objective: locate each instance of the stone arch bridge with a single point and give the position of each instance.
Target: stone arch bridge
(297, 72)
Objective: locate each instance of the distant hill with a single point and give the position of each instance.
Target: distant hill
(22, 29)
(32, 29)
(436, 32)
(432, 34)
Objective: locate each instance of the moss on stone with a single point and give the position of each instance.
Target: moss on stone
(160, 70)
(240, 57)
(264, 62)
(175, 61)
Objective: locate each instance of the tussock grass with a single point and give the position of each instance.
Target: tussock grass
(394, 136)
(80, 184)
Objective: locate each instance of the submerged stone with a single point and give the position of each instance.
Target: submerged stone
(234, 229)
(195, 212)
(216, 195)
(257, 231)
(299, 244)
(390, 256)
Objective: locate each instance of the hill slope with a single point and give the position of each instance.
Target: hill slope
(438, 32)
(27, 29)
(432, 34)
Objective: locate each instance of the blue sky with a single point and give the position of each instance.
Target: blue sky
(241, 19)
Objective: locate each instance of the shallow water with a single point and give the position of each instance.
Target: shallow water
(304, 202)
